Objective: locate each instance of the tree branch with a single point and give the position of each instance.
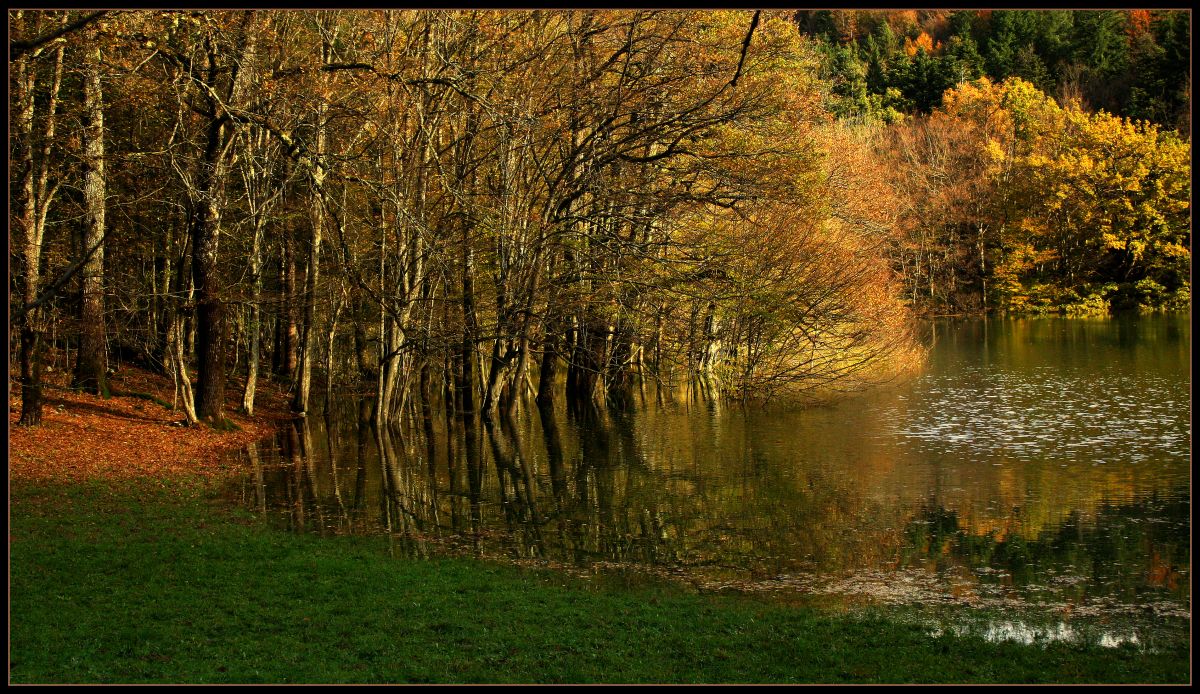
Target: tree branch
(745, 47)
(16, 49)
(53, 289)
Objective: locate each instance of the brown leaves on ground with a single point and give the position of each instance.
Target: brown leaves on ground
(84, 437)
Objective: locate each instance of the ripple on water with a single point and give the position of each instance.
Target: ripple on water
(1047, 414)
(1030, 634)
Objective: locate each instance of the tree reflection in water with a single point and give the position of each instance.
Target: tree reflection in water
(711, 496)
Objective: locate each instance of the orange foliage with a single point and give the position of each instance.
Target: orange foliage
(84, 437)
(924, 41)
(901, 20)
(1138, 23)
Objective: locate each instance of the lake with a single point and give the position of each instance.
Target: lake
(1036, 468)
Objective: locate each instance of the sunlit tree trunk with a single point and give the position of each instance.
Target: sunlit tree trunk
(30, 252)
(255, 317)
(92, 367)
(263, 191)
(317, 223)
(162, 291)
(33, 205)
(289, 331)
(175, 357)
(177, 362)
(330, 342)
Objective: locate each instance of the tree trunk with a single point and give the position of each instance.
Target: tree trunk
(161, 285)
(91, 367)
(31, 367)
(211, 323)
(330, 340)
(308, 335)
(362, 346)
(317, 220)
(291, 333)
(206, 274)
(178, 366)
(255, 318)
(982, 270)
(467, 366)
(545, 393)
(34, 204)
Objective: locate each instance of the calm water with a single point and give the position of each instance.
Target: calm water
(1036, 466)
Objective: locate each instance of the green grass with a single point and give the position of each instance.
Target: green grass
(167, 584)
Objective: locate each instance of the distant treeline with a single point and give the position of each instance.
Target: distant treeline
(1132, 63)
(1008, 201)
(1036, 157)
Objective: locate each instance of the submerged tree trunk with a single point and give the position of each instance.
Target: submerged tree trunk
(467, 367)
(362, 349)
(588, 358)
(546, 374)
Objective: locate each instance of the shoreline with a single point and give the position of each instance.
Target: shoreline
(127, 568)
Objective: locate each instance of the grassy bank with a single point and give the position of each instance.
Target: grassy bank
(159, 581)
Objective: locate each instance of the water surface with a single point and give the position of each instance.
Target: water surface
(1036, 465)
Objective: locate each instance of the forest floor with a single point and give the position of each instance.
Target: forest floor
(129, 564)
(131, 435)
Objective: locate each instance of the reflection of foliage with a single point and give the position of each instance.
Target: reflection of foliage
(1127, 550)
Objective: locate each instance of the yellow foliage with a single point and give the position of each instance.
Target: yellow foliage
(1077, 191)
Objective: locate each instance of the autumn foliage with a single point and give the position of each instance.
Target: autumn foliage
(129, 436)
(431, 204)
(1023, 204)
